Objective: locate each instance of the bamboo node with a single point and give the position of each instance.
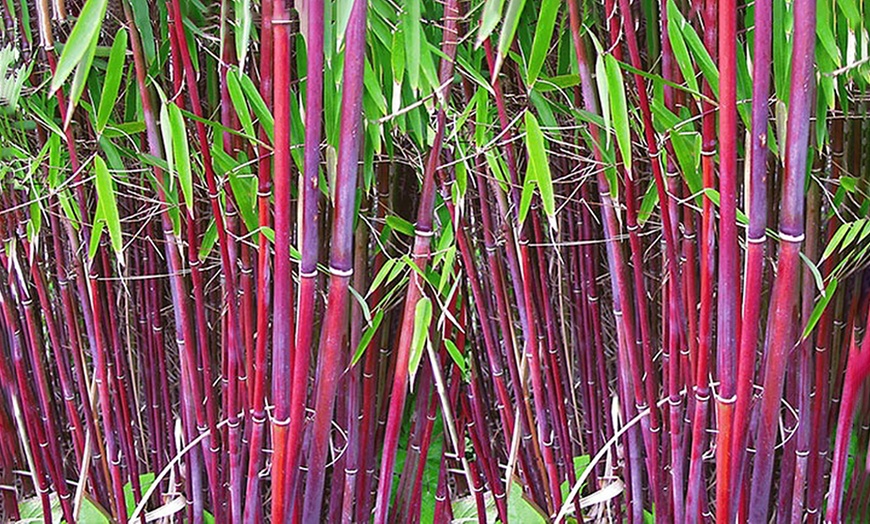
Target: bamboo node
(344, 273)
(423, 233)
(730, 400)
(794, 239)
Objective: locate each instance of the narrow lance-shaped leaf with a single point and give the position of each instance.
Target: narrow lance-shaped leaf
(422, 318)
(538, 161)
(237, 97)
(367, 337)
(166, 133)
(508, 30)
(820, 307)
(181, 152)
(242, 34)
(114, 71)
(489, 20)
(619, 110)
(543, 35)
(80, 78)
(413, 36)
(83, 33)
(601, 82)
(107, 204)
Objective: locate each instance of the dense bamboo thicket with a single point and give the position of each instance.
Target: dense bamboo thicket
(434, 261)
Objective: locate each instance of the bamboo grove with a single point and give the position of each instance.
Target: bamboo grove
(433, 261)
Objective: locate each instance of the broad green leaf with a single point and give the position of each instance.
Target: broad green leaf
(238, 99)
(107, 204)
(209, 238)
(678, 45)
(80, 77)
(166, 134)
(699, 50)
(413, 33)
(814, 270)
(114, 71)
(489, 20)
(539, 165)
(181, 152)
(381, 275)
(242, 34)
(543, 35)
(367, 337)
(528, 193)
(650, 199)
(455, 354)
(619, 110)
(142, 18)
(83, 33)
(96, 233)
(508, 30)
(819, 308)
(835, 240)
(422, 319)
(400, 225)
(854, 230)
(397, 57)
(30, 510)
(257, 104)
(601, 82)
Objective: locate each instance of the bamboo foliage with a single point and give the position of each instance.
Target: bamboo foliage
(529, 261)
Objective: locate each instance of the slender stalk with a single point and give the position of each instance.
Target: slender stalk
(423, 232)
(782, 335)
(340, 260)
(755, 243)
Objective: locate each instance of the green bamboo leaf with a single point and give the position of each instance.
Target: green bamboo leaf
(209, 239)
(400, 225)
(80, 77)
(142, 19)
(489, 20)
(257, 104)
(835, 240)
(537, 149)
(699, 51)
(854, 230)
(96, 233)
(84, 32)
(242, 36)
(422, 319)
(166, 133)
(114, 71)
(397, 56)
(456, 355)
(237, 97)
(543, 35)
(601, 82)
(413, 36)
(382, 274)
(367, 337)
(678, 45)
(650, 199)
(820, 307)
(851, 12)
(181, 153)
(528, 193)
(619, 110)
(814, 270)
(508, 31)
(108, 205)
